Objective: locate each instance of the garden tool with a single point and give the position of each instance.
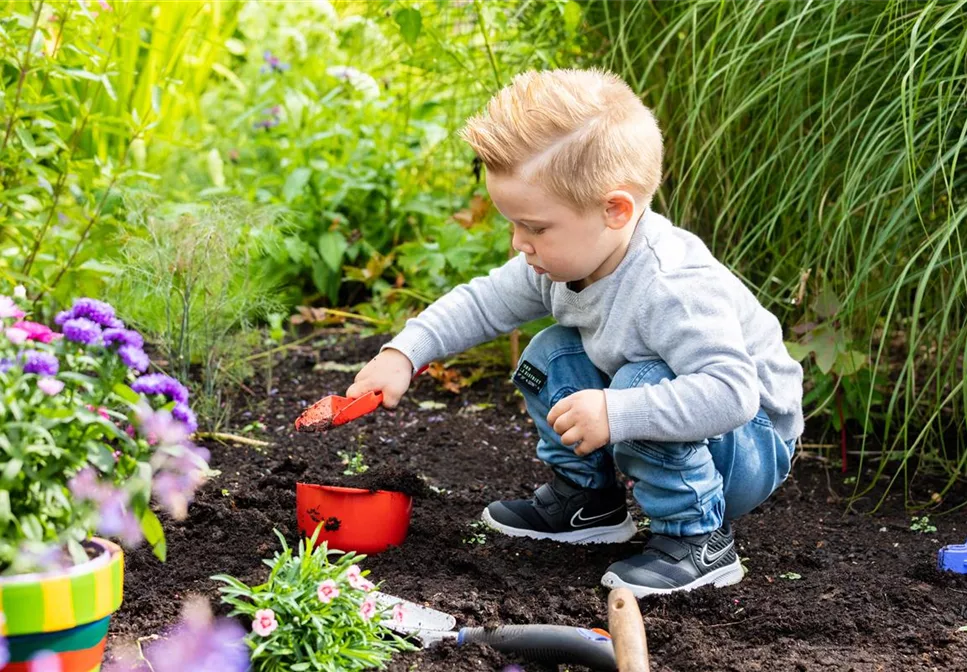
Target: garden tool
(542, 642)
(953, 558)
(335, 410)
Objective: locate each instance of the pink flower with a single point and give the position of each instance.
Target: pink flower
(8, 308)
(15, 335)
(264, 623)
(36, 331)
(101, 411)
(44, 661)
(106, 7)
(398, 613)
(367, 608)
(328, 591)
(356, 579)
(50, 386)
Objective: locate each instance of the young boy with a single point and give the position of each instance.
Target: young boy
(661, 362)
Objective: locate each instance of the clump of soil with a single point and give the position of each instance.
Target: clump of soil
(380, 477)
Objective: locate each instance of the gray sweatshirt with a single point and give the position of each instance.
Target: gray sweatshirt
(668, 299)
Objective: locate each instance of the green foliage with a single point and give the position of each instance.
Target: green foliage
(325, 613)
(826, 136)
(922, 525)
(82, 92)
(192, 280)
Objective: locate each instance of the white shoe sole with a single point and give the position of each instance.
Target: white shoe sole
(612, 534)
(723, 576)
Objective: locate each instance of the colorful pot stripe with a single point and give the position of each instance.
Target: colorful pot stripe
(65, 613)
(77, 649)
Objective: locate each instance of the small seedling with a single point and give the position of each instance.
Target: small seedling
(922, 525)
(252, 427)
(849, 480)
(790, 576)
(477, 535)
(354, 463)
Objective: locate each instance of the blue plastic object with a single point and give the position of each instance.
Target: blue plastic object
(953, 558)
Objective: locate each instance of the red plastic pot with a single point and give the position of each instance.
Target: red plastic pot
(353, 519)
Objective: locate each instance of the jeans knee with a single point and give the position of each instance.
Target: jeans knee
(548, 341)
(638, 374)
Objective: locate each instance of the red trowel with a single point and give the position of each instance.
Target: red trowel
(335, 410)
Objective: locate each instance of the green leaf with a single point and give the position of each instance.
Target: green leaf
(127, 393)
(295, 183)
(332, 245)
(154, 534)
(572, 16)
(798, 351)
(11, 470)
(848, 363)
(790, 576)
(825, 347)
(410, 22)
(27, 140)
(962, 628)
(826, 304)
(6, 513)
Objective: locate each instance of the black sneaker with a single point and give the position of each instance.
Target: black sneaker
(670, 564)
(565, 512)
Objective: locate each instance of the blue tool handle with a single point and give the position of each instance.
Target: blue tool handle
(547, 643)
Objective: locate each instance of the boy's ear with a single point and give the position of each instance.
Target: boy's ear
(619, 208)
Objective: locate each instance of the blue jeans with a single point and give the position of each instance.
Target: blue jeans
(685, 488)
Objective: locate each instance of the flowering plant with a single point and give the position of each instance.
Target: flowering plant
(86, 441)
(317, 611)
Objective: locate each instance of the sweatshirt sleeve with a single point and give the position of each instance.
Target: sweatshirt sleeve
(694, 327)
(473, 313)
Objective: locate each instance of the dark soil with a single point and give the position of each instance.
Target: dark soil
(867, 598)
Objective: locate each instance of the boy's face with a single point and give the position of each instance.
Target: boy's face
(567, 245)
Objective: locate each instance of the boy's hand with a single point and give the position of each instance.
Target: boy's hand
(388, 372)
(582, 417)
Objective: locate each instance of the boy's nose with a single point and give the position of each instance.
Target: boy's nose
(519, 244)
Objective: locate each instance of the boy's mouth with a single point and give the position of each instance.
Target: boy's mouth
(539, 270)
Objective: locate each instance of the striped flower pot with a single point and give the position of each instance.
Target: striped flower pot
(63, 613)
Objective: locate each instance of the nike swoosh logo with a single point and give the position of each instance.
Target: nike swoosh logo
(714, 557)
(577, 520)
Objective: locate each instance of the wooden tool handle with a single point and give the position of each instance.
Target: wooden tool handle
(627, 631)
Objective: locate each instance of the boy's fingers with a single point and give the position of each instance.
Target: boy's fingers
(358, 389)
(391, 399)
(571, 436)
(558, 410)
(563, 423)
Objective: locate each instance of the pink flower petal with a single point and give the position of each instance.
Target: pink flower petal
(16, 335)
(50, 386)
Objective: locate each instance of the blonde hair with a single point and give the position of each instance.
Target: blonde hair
(576, 133)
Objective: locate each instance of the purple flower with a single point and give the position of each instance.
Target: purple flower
(121, 337)
(183, 413)
(117, 520)
(97, 311)
(4, 652)
(159, 383)
(82, 330)
(159, 427)
(272, 119)
(86, 486)
(41, 363)
(5, 364)
(199, 643)
(134, 358)
(273, 63)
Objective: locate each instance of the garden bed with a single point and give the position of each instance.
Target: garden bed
(867, 596)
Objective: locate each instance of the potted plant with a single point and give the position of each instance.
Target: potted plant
(86, 442)
(316, 611)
